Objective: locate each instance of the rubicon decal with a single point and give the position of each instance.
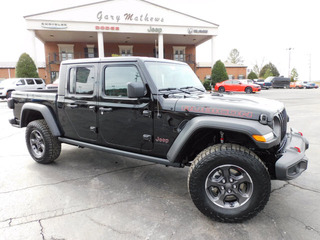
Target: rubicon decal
(162, 140)
(217, 111)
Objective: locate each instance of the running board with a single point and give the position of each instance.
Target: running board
(120, 152)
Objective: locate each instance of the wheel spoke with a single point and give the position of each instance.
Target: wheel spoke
(229, 186)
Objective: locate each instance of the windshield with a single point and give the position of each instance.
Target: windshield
(268, 79)
(173, 76)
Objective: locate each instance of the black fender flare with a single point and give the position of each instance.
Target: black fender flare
(247, 127)
(46, 113)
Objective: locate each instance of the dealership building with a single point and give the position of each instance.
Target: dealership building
(119, 28)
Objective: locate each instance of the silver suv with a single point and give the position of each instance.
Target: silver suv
(12, 84)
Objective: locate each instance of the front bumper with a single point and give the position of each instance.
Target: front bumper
(293, 160)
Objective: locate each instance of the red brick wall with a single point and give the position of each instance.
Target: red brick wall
(52, 48)
(4, 73)
(201, 72)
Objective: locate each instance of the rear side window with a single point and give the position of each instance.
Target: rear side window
(30, 81)
(39, 81)
(81, 80)
(117, 79)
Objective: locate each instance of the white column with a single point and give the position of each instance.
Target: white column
(100, 45)
(33, 53)
(160, 46)
(213, 50)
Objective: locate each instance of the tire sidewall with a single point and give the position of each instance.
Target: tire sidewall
(254, 168)
(51, 145)
(221, 89)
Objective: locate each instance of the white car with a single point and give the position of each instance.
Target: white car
(13, 84)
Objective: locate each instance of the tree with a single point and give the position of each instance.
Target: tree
(26, 67)
(207, 84)
(218, 73)
(252, 75)
(234, 57)
(294, 75)
(257, 67)
(273, 71)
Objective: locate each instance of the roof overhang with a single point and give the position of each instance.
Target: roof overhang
(121, 21)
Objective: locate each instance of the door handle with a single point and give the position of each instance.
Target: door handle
(92, 108)
(72, 105)
(102, 109)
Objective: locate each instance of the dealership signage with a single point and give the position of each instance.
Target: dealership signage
(130, 17)
(53, 25)
(191, 30)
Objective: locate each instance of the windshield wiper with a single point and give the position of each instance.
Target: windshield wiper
(199, 89)
(173, 89)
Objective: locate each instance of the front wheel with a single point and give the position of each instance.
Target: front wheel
(248, 90)
(221, 89)
(229, 183)
(42, 146)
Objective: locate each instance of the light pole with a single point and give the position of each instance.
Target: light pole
(289, 49)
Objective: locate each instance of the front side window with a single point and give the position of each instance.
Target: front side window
(21, 82)
(117, 79)
(81, 80)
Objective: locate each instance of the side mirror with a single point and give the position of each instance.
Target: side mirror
(136, 90)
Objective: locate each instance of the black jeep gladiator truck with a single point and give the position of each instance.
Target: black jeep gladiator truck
(157, 110)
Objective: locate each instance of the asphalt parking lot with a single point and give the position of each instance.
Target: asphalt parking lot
(88, 194)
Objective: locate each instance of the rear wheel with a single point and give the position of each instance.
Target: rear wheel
(248, 90)
(42, 146)
(229, 183)
(221, 89)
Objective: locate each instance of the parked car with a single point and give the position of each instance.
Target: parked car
(12, 84)
(278, 82)
(296, 85)
(262, 84)
(309, 85)
(236, 86)
(53, 85)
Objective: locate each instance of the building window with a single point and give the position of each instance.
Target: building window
(66, 51)
(54, 75)
(125, 50)
(116, 79)
(90, 51)
(230, 76)
(179, 54)
(81, 80)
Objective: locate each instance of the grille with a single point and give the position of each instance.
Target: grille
(283, 122)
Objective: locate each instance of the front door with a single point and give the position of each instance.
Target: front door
(124, 123)
(80, 103)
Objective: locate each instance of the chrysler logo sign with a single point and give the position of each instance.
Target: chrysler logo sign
(53, 25)
(191, 30)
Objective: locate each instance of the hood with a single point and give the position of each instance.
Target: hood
(246, 107)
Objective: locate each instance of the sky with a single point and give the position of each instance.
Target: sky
(261, 30)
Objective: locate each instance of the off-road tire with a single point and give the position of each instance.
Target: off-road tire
(223, 156)
(221, 89)
(248, 90)
(42, 146)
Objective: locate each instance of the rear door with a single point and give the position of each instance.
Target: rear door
(124, 123)
(80, 103)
